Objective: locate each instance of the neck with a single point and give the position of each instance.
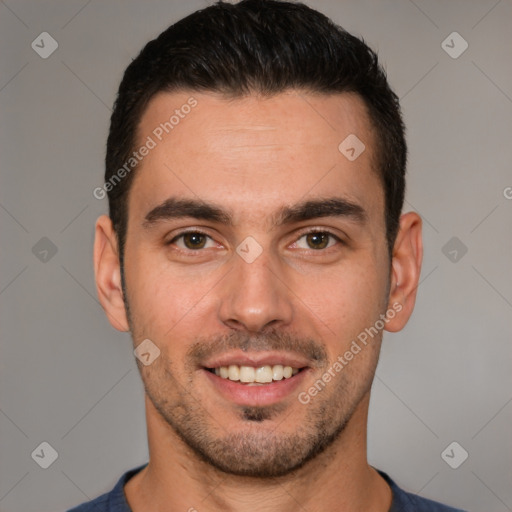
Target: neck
(339, 478)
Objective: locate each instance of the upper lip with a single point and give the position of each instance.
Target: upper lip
(256, 359)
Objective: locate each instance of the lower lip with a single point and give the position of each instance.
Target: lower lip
(259, 395)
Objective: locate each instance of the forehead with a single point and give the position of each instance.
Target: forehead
(257, 151)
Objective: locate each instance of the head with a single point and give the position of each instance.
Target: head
(245, 234)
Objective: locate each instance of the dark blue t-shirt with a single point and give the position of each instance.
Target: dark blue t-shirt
(115, 500)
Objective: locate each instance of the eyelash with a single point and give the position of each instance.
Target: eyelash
(324, 232)
(303, 234)
(189, 232)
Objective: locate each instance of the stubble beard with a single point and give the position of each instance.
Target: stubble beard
(259, 448)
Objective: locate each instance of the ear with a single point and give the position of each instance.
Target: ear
(107, 272)
(405, 270)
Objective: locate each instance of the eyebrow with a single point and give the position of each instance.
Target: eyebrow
(316, 208)
(175, 208)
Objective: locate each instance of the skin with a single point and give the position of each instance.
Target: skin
(252, 157)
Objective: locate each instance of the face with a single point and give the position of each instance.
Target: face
(255, 257)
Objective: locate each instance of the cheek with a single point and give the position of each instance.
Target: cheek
(164, 303)
(149, 296)
(345, 298)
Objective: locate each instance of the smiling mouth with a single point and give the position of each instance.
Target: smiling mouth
(255, 375)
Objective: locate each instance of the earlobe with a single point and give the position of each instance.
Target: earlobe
(405, 270)
(108, 274)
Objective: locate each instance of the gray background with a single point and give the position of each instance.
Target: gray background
(69, 379)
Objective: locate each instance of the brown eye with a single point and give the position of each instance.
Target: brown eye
(194, 243)
(317, 240)
(194, 240)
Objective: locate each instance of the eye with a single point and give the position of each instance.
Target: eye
(193, 240)
(316, 240)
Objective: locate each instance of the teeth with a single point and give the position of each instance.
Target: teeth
(277, 372)
(234, 372)
(261, 375)
(247, 374)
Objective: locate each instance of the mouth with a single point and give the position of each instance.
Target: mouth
(252, 375)
(256, 379)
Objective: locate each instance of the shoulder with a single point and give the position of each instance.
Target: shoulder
(113, 501)
(406, 502)
(99, 504)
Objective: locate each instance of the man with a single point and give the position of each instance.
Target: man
(256, 251)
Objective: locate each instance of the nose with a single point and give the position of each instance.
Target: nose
(255, 295)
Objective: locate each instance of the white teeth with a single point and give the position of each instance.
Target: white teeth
(263, 374)
(247, 374)
(277, 372)
(234, 372)
(260, 375)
